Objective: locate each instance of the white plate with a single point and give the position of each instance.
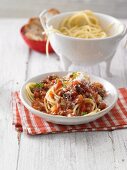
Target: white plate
(110, 100)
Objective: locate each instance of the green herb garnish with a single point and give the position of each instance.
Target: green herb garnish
(64, 83)
(91, 97)
(74, 74)
(84, 113)
(39, 85)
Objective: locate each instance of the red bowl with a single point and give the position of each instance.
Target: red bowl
(39, 46)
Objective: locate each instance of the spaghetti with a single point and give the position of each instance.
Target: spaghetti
(71, 95)
(83, 24)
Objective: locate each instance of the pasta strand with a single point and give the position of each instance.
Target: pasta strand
(83, 24)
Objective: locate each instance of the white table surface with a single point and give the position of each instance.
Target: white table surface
(72, 151)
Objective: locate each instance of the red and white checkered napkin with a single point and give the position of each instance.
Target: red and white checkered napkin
(23, 120)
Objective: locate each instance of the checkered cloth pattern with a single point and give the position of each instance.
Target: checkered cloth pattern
(25, 121)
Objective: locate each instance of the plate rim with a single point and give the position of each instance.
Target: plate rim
(44, 114)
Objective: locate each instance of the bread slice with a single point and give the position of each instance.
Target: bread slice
(34, 30)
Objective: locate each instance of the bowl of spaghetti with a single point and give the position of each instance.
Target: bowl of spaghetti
(68, 98)
(83, 37)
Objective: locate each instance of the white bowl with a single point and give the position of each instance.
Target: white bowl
(85, 51)
(110, 100)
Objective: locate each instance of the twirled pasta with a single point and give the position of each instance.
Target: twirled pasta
(52, 99)
(83, 24)
(71, 95)
(29, 92)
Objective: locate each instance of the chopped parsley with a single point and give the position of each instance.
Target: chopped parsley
(84, 113)
(64, 83)
(74, 74)
(39, 85)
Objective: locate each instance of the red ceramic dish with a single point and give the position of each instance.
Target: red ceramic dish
(39, 46)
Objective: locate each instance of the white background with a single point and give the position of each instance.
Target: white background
(27, 8)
